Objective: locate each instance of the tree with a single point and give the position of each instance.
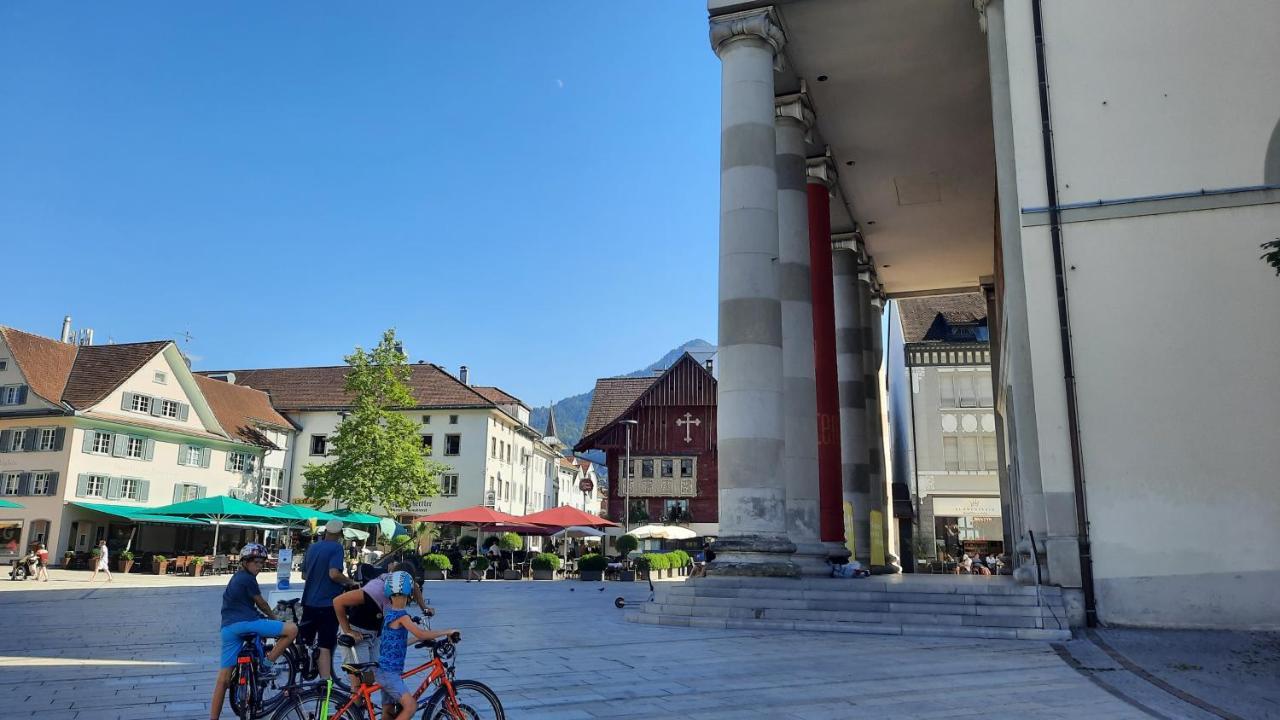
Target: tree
(1272, 254)
(377, 454)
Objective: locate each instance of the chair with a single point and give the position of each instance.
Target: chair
(179, 564)
(220, 564)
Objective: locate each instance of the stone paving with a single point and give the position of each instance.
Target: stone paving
(145, 647)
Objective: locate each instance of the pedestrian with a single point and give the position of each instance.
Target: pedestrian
(42, 562)
(103, 562)
(323, 580)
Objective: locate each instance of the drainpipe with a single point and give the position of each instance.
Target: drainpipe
(1064, 325)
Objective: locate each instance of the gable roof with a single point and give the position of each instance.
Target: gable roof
(45, 363)
(612, 397)
(324, 388)
(496, 395)
(920, 314)
(239, 410)
(100, 369)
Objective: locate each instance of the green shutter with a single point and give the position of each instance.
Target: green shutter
(24, 483)
(205, 454)
(182, 454)
(157, 407)
(177, 492)
(82, 484)
(52, 488)
(126, 401)
(183, 410)
(113, 488)
(59, 435)
(5, 435)
(226, 465)
(87, 445)
(200, 491)
(119, 444)
(144, 490)
(148, 449)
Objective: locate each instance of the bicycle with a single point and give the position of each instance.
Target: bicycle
(454, 699)
(248, 697)
(303, 658)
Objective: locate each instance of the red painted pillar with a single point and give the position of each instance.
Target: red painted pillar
(830, 508)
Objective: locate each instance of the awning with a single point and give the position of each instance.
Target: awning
(358, 518)
(249, 524)
(138, 515)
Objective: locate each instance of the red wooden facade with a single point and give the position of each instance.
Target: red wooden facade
(676, 418)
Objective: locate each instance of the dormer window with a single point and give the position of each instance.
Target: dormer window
(140, 403)
(161, 378)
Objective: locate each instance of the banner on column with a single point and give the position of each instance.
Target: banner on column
(848, 527)
(877, 538)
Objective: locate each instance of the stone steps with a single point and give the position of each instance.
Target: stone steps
(883, 605)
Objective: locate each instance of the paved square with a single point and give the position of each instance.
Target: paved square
(551, 650)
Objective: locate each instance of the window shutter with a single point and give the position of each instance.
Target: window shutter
(22, 394)
(205, 453)
(157, 407)
(227, 464)
(144, 490)
(87, 445)
(52, 488)
(126, 401)
(182, 454)
(183, 409)
(119, 443)
(82, 484)
(177, 493)
(113, 488)
(24, 484)
(4, 440)
(148, 449)
(248, 464)
(59, 435)
(29, 440)
(200, 490)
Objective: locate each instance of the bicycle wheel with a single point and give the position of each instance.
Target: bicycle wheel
(242, 691)
(316, 702)
(475, 701)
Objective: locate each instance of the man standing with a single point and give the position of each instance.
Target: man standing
(323, 581)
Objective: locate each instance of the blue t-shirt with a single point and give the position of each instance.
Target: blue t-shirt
(318, 590)
(394, 641)
(237, 599)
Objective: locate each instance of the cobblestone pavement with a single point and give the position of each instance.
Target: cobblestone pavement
(551, 650)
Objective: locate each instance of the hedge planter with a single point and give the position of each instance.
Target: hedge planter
(433, 574)
(544, 574)
(512, 575)
(159, 567)
(123, 565)
(196, 569)
(591, 575)
(627, 575)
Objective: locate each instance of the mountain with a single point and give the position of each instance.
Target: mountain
(571, 412)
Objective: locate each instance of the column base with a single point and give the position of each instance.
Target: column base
(754, 556)
(814, 557)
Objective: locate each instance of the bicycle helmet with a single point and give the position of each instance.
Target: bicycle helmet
(253, 551)
(398, 583)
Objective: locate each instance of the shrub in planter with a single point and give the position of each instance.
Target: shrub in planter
(68, 558)
(197, 566)
(435, 564)
(591, 567)
(545, 566)
(125, 561)
(627, 544)
(159, 564)
(657, 564)
(479, 566)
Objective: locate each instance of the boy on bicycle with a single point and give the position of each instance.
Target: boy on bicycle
(241, 603)
(396, 628)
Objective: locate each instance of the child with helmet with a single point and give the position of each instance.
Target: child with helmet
(397, 626)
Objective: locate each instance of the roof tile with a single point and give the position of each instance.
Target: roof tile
(612, 396)
(318, 388)
(45, 363)
(240, 410)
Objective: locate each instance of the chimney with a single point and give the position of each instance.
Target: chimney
(66, 329)
(464, 375)
(88, 336)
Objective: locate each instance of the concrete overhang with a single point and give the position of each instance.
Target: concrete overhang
(902, 97)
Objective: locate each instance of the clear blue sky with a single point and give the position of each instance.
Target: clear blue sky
(531, 191)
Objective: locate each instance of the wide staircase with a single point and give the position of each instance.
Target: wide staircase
(939, 605)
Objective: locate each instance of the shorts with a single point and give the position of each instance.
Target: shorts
(235, 633)
(321, 623)
(364, 651)
(393, 687)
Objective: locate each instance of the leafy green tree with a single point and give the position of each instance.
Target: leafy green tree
(1272, 254)
(377, 454)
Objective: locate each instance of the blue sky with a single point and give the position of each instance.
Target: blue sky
(530, 191)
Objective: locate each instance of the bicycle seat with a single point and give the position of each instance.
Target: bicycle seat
(355, 668)
(289, 603)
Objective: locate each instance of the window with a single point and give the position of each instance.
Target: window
(187, 492)
(237, 462)
(493, 447)
(40, 531)
(11, 482)
(675, 510)
(135, 448)
(40, 484)
(319, 445)
(965, 391)
(990, 459)
(4, 364)
(192, 456)
(686, 467)
(453, 419)
(169, 408)
(452, 444)
(13, 395)
(141, 403)
(951, 453)
(428, 442)
(15, 440)
(96, 486)
(508, 489)
(129, 488)
(101, 442)
(508, 453)
(668, 467)
(646, 468)
(449, 485)
(969, 453)
(426, 419)
(48, 437)
(160, 377)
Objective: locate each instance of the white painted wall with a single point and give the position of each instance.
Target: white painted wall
(177, 387)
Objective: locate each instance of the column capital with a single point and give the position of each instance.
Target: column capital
(761, 23)
(821, 170)
(794, 108)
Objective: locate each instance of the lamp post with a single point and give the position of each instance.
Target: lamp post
(626, 482)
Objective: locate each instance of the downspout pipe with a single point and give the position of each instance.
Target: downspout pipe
(1064, 326)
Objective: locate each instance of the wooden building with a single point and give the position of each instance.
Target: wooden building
(673, 445)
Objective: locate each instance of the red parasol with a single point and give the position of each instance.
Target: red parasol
(476, 515)
(566, 516)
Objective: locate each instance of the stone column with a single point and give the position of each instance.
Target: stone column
(880, 497)
(753, 497)
(821, 180)
(793, 118)
(854, 483)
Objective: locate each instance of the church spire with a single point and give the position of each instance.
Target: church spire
(552, 431)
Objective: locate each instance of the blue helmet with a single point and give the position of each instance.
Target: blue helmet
(398, 583)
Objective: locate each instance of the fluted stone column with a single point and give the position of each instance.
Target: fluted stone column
(853, 394)
(753, 498)
(792, 121)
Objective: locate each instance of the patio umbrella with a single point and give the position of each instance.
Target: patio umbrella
(566, 516)
(575, 531)
(662, 532)
(302, 514)
(357, 518)
(220, 508)
(10, 504)
(478, 516)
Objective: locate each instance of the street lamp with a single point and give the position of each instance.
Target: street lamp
(626, 482)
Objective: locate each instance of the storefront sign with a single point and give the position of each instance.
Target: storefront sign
(585, 485)
(966, 506)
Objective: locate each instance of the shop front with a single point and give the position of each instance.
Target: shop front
(967, 525)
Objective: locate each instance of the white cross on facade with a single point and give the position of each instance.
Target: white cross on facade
(688, 421)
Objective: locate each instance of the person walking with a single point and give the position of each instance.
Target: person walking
(104, 563)
(42, 563)
(323, 580)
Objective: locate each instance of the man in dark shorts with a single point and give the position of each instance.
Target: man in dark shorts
(323, 580)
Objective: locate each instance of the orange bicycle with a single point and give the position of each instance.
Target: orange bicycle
(453, 700)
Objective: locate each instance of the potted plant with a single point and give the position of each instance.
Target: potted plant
(68, 559)
(642, 567)
(626, 545)
(479, 567)
(197, 566)
(125, 562)
(435, 565)
(510, 542)
(591, 567)
(545, 566)
(657, 562)
(159, 564)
